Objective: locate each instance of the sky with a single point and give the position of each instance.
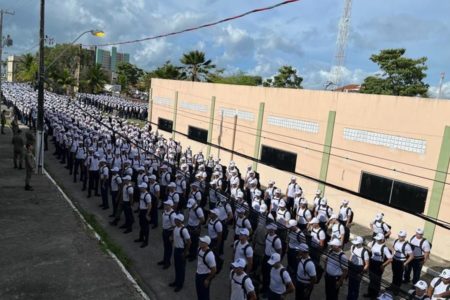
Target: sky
(302, 34)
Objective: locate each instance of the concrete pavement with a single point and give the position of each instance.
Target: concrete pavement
(45, 250)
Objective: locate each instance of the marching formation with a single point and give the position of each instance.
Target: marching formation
(200, 205)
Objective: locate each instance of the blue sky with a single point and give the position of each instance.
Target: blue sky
(302, 34)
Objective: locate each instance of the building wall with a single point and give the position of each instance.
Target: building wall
(11, 68)
(393, 137)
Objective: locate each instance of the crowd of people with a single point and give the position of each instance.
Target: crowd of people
(202, 204)
(112, 104)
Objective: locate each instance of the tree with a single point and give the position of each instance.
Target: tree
(401, 76)
(286, 78)
(66, 80)
(167, 71)
(27, 68)
(128, 75)
(239, 78)
(94, 80)
(196, 68)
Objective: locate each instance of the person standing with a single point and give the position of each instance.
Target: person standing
(195, 219)
(280, 280)
(206, 268)
(419, 292)
(243, 249)
(381, 257)
(104, 182)
(3, 121)
(168, 224)
(116, 182)
(29, 166)
(145, 205)
(93, 167)
(358, 264)
(336, 269)
(272, 244)
(127, 198)
(421, 251)
(403, 255)
(241, 284)
(18, 146)
(306, 275)
(154, 189)
(440, 286)
(181, 242)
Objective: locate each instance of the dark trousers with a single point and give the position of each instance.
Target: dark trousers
(93, 182)
(273, 296)
(302, 290)
(266, 273)
(397, 274)
(128, 214)
(166, 234)
(77, 168)
(202, 291)
(354, 281)
(194, 232)
(154, 213)
(70, 162)
(331, 287)
(180, 266)
(114, 201)
(292, 260)
(225, 232)
(375, 274)
(104, 192)
(144, 226)
(416, 267)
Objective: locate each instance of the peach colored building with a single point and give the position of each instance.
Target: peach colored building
(394, 150)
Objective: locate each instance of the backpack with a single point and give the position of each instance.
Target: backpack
(195, 212)
(403, 247)
(204, 256)
(236, 243)
(282, 271)
(182, 237)
(304, 266)
(384, 231)
(242, 283)
(350, 218)
(363, 252)
(420, 245)
(438, 282)
(327, 237)
(274, 240)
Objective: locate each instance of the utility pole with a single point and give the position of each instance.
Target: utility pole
(441, 82)
(2, 12)
(40, 115)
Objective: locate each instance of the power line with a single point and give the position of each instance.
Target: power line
(199, 27)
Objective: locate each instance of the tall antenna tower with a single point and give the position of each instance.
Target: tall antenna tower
(441, 82)
(341, 45)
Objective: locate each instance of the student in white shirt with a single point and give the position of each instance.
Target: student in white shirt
(181, 243)
(306, 275)
(280, 281)
(420, 291)
(421, 251)
(243, 249)
(241, 284)
(440, 286)
(403, 255)
(358, 264)
(206, 268)
(336, 269)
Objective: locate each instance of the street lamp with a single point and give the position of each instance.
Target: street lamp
(42, 69)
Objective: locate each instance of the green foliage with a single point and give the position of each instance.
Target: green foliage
(401, 76)
(166, 71)
(65, 80)
(286, 78)
(27, 68)
(128, 75)
(239, 78)
(196, 67)
(94, 79)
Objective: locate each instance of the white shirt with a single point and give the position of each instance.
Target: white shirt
(380, 251)
(344, 213)
(239, 289)
(209, 259)
(358, 256)
(180, 236)
(195, 214)
(402, 250)
(324, 212)
(104, 173)
(214, 228)
(417, 249)
(438, 288)
(93, 163)
(127, 193)
(306, 270)
(303, 215)
(242, 222)
(115, 182)
(296, 238)
(277, 284)
(337, 262)
(224, 210)
(144, 200)
(317, 235)
(337, 230)
(292, 189)
(272, 244)
(175, 197)
(380, 227)
(168, 219)
(243, 251)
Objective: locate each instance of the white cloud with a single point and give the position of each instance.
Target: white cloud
(316, 79)
(434, 90)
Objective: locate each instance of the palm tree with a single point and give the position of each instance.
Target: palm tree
(65, 80)
(196, 68)
(96, 79)
(27, 68)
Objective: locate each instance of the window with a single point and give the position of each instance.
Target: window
(164, 124)
(279, 159)
(198, 134)
(396, 193)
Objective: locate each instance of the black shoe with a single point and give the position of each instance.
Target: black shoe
(101, 205)
(177, 289)
(20, 168)
(123, 226)
(405, 281)
(89, 196)
(367, 295)
(144, 245)
(191, 258)
(114, 223)
(166, 267)
(128, 231)
(111, 216)
(154, 226)
(15, 167)
(160, 263)
(138, 241)
(172, 284)
(105, 207)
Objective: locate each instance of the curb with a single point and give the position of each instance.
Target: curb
(97, 236)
